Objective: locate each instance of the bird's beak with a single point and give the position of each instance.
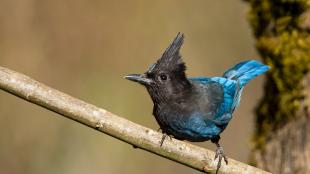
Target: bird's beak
(140, 78)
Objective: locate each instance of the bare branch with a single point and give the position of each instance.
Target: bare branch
(193, 156)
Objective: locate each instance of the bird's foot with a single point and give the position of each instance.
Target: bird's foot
(164, 137)
(220, 154)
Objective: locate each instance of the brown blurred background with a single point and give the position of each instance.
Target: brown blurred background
(84, 48)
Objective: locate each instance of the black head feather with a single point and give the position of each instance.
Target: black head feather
(171, 59)
(166, 79)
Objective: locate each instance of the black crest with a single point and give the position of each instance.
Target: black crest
(171, 60)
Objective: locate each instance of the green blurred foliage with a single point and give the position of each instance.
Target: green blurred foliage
(84, 48)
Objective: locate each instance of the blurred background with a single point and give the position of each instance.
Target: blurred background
(84, 48)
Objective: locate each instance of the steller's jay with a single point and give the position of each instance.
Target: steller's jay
(194, 109)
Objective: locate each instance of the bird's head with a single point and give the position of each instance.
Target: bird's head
(166, 78)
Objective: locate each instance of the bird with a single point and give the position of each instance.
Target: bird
(195, 109)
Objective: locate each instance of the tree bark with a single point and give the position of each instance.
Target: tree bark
(282, 136)
(288, 149)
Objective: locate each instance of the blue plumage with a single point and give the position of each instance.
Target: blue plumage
(246, 71)
(233, 82)
(194, 109)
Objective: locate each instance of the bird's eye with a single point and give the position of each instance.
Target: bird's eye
(163, 77)
(149, 75)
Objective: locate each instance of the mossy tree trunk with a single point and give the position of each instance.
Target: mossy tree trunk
(282, 136)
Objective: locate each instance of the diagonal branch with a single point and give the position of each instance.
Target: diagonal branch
(193, 156)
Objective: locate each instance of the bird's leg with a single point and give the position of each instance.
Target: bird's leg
(219, 153)
(164, 137)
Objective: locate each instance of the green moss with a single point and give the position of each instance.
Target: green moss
(286, 48)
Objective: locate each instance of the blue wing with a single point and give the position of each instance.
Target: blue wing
(230, 97)
(233, 82)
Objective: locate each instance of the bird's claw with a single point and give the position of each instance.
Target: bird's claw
(220, 154)
(164, 137)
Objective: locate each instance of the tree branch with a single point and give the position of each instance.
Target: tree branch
(193, 156)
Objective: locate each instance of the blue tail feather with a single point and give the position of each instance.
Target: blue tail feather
(246, 71)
